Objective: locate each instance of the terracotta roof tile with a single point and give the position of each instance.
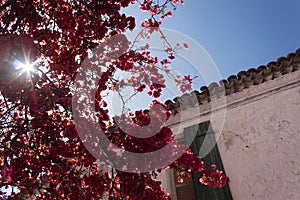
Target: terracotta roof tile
(237, 83)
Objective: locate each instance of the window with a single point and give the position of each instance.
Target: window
(184, 190)
(203, 140)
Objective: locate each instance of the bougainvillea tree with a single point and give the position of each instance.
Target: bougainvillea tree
(42, 46)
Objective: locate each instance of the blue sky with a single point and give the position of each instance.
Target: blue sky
(239, 34)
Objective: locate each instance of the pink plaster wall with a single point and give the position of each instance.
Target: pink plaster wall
(260, 147)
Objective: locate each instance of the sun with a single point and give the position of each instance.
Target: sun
(26, 70)
(27, 67)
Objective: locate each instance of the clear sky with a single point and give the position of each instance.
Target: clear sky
(239, 34)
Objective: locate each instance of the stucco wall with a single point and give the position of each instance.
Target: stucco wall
(260, 147)
(259, 141)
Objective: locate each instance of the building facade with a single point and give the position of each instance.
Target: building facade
(251, 130)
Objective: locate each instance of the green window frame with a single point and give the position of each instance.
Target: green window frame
(202, 140)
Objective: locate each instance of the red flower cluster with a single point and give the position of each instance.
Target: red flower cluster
(213, 178)
(184, 84)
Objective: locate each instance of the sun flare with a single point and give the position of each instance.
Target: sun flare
(27, 67)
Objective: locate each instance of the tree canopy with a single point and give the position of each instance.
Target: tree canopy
(43, 44)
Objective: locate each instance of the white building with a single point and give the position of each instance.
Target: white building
(257, 129)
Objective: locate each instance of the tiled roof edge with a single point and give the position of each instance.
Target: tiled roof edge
(237, 83)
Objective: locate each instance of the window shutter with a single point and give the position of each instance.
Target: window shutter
(204, 141)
